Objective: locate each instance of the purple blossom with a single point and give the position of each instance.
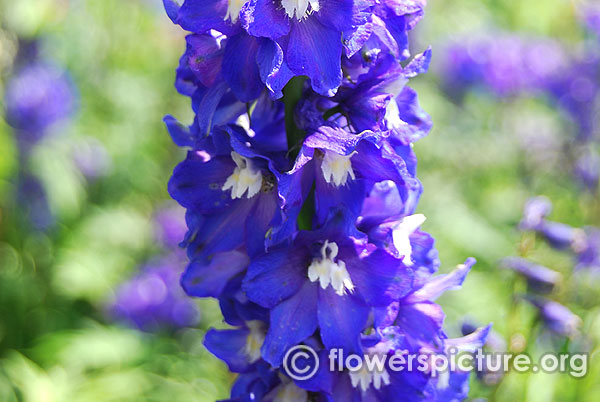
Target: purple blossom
(556, 317)
(153, 300)
(587, 169)
(91, 158)
(535, 212)
(300, 213)
(37, 96)
(275, 41)
(539, 278)
(504, 64)
(171, 227)
(587, 249)
(590, 14)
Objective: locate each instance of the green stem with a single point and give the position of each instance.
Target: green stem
(291, 95)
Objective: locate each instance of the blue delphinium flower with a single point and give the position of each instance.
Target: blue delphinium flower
(272, 41)
(301, 214)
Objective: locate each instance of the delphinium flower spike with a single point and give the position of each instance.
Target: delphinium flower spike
(300, 188)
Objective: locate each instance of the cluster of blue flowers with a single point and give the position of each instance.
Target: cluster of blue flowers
(300, 188)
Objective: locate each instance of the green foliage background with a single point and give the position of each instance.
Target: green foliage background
(56, 343)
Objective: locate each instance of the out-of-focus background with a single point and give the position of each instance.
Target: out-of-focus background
(90, 309)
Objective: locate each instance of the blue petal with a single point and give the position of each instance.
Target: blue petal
(171, 8)
(336, 139)
(275, 276)
(338, 14)
(196, 184)
(424, 256)
(203, 279)
(329, 197)
(203, 15)
(315, 50)
(249, 387)
(355, 38)
(203, 56)
(205, 105)
(383, 202)
(219, 232)
(441, 283)
(274, 71)
(322, 380)
(343, 391)
(472, 342)
(422, 323)
(229, 345)
(380, 278)
(240, 69)
(410, 384)
(292, 321)
(418, 65)
(264, 215)
(412, 122)
(262, 18)
(180, 134)
(341, 320)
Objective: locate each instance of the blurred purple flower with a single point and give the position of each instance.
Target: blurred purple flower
(539, 278)
(576, 92)
(91, 158)
(37, 96)
(587, 249)
(587, 169)
(32, 198)
(171, 227)
(503, 63)
(557, 318)
(535, 212)
(153, 300)
(590, 14)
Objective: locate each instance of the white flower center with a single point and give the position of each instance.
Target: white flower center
(290, 393)
(299, 7)
(401, 236)
(254, 341)
(328, 272)
(365, 377)
(244, 178)
(233, 9)
(336, 168)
